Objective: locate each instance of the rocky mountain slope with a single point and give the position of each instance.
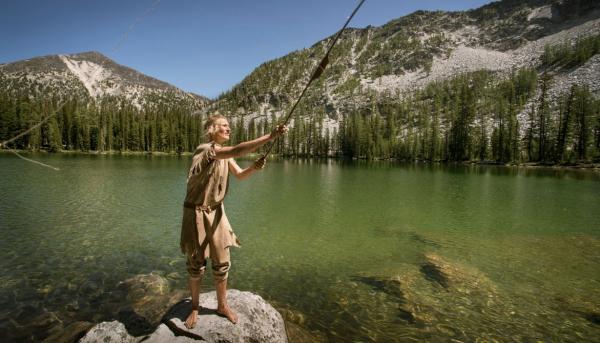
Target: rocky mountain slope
(411, 52)
(511, 81)
(90, 75)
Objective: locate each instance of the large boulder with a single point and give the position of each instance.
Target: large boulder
(258, 321)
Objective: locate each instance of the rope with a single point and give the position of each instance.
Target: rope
(132, 26)
(115, 49)
(5, 143)
(32, 161)
(317, 71)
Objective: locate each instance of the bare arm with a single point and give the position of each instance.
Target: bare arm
(240, 173)
(247, 147)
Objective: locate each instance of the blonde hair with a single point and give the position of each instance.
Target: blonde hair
(209, 125)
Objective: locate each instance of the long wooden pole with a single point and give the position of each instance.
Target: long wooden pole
(316, 72)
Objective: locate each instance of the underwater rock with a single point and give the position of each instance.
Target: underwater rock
(292, 316)
(174, 276)
(142, 285)
(593, 317)
(587, 308)
(113, 332)
(419, 238)
(459, 277)
(71, 333)
(295, 322)
(148, 298)
(433, 273)
(431, 295)
(297, 334)
(392, 287)
(389, 286)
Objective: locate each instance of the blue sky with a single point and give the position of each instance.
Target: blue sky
(201, 46)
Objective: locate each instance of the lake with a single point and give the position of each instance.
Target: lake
(347, 251)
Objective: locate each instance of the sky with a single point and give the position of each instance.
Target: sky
(200, 46)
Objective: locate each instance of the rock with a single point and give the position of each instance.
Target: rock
(411, 305)
(295, 325)
(143, 285)
(72, 333)
(258, 321)
(113, 332)
(462, 278)
(148, 298)
(437, 297)
(163, 334)
(297, 334)
(586, 307)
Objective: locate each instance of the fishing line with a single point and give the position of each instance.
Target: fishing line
(33, 127)
(123, 38)
(132, 26)
(125, 35)
(318, 70)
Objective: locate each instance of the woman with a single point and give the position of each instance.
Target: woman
(205, 230)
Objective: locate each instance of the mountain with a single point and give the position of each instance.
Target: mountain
(90, 75)
(93, 103)
(383, 70)
(509, 82)
(414, 50)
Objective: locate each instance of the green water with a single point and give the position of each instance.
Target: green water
(340, 248)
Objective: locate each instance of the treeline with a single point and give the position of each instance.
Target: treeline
(472, 117)
(110, 125)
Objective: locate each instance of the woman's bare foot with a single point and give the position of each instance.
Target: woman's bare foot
(228, 313)
(191, 320)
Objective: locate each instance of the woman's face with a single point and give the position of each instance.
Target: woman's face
(222, 131)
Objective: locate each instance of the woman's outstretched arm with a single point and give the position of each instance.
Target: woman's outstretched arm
(247, 147)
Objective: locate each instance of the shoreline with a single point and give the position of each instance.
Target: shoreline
(564, 166)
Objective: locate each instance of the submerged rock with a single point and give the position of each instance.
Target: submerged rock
(587, 308)
(113, 332)
(295, 325)
(148, 298)
(412, 306)
(71, 333)
(461, 278)
(436, 298)
(420, 238)
(297, 334)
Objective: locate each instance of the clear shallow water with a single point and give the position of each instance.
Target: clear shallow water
(343, 249)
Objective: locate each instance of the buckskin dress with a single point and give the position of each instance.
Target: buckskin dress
(205, 229)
